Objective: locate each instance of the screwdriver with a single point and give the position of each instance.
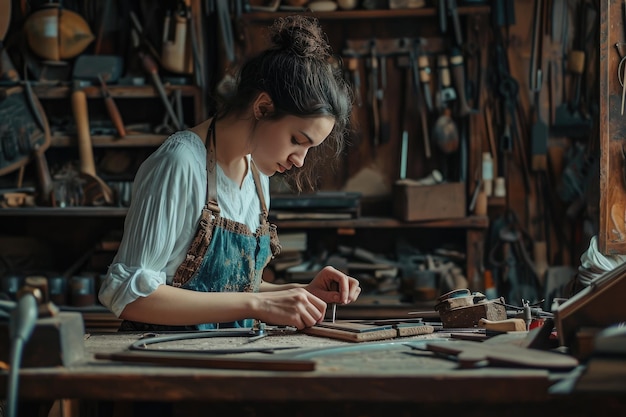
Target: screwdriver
(334, 286)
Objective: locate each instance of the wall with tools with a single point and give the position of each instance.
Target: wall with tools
(475, 135)
(498, 96)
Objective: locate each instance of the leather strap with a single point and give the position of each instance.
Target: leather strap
(259, 191)
(211, 170)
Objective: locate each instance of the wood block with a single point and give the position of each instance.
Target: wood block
(415, 330)
(429, 202)
(469, 316)
(470, 354)
(56, 341)
(352, 331)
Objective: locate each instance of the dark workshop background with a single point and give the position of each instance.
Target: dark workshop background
(505, 99)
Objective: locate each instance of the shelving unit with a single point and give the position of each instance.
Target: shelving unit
(125, 97)
(70, 231)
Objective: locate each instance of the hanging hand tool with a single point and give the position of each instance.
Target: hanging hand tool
(139, 37)
(442, 13)
(380, 98)
(568, 118)
(403, 63)
(372, 98)
(445, 131)
(445, 8)
(536, 46)
(112, 109)
(353, 67)
(151, 67)
(539, 130)
(456, 24)
(458, 72)
(420, 105)
(424, 71)
(507, 89)
(447, 93)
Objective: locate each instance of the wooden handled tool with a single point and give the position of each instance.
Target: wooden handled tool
(96, 191)
(373, 85)
(418, 77)
(112, 109)
(458, 72)
(445, 131)
(380, 98)
(424, 71)
(44, 179)
(353, 66)
(151, 67)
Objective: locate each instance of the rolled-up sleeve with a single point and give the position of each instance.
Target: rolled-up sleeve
(168, 195)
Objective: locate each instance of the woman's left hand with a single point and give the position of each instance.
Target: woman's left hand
(333, 286)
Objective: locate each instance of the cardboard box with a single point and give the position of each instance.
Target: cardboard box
(415, 202)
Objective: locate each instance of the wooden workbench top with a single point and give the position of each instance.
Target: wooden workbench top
(384, 371)
(369, 379)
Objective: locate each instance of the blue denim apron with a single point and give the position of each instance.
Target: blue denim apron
(224, 256)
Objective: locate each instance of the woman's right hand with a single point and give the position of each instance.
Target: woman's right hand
(295, 307)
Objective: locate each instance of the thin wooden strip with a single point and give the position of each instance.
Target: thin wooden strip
(204, 361)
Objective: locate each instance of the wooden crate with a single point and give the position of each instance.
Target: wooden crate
(413, 202)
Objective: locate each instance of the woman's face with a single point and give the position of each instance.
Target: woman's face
(283, 144)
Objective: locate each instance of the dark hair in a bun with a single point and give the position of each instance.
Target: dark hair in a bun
(303, 37)
(303, 78)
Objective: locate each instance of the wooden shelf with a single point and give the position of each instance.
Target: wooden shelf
(472, 222)
(118, 91)
(129, 141)
(365, 14)
(64, 212)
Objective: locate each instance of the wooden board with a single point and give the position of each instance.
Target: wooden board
(354, 326)
(351, 336)
(202, 360)
(354, 331)
(469, 354)
(404, 331)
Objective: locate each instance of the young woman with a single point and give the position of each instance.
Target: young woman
(196, 237)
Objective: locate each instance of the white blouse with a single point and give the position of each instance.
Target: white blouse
(169, 193)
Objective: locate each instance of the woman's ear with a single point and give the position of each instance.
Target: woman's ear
(263, 106)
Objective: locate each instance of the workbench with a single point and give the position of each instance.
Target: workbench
(381, 378)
